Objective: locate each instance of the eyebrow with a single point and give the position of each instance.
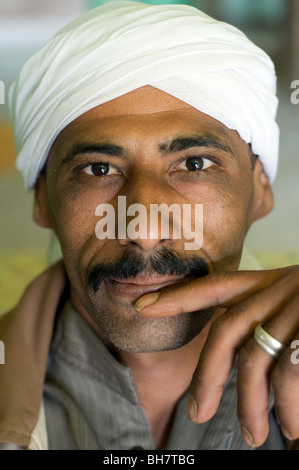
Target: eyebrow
(176, 145)
(185, 143)
(83, 148)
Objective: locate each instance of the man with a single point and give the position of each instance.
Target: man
(151, 104)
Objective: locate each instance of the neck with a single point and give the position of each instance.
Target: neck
(161, 378)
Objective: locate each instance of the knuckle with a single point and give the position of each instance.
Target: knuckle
(291, 276)
(284, 279)
(221, 325)
(221, 281)
(246, 355)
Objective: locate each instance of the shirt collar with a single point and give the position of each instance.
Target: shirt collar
(79, 345)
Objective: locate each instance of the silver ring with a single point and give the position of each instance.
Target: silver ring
(268, 343)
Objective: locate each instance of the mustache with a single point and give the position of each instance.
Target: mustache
(131, 264)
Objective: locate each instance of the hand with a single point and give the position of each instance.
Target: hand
(248, 298)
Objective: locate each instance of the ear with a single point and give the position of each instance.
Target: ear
(263, 201)
(41, 210)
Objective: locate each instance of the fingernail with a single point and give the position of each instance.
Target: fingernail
(286, 434)
(247, 437)
(146, 300)
(192, 408)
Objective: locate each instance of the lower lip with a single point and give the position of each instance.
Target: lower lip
(132, 291)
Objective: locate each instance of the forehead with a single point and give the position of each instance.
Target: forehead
(149, 109)
(144, 100)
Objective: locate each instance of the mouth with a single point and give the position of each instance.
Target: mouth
(132, 288)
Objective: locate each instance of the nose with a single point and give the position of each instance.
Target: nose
(146, 217)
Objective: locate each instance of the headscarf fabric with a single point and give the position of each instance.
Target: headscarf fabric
(121, 46)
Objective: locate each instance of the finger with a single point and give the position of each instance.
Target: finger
(285, 381)
(208, 381)
(222, 289)
(228, 333)
(255, 367)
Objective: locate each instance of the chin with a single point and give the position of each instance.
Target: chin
(126, 330)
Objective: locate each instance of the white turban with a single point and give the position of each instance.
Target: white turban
(118, 47)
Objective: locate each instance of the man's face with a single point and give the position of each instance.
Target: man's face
(153, 149)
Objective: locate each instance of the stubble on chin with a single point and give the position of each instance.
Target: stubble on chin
(125, 329)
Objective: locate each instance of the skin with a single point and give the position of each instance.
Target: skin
(155, 334)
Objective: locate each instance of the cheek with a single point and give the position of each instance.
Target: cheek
(226, 210)
(73, 203)
(75, 222)
(224, 223)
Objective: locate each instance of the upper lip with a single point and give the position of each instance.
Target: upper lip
(150, 280)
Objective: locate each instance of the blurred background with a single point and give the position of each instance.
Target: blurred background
(25, 25)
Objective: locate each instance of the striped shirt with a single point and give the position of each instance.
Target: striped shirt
(91, 401)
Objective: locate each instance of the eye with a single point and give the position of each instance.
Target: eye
(100, 169)
(195, 164)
